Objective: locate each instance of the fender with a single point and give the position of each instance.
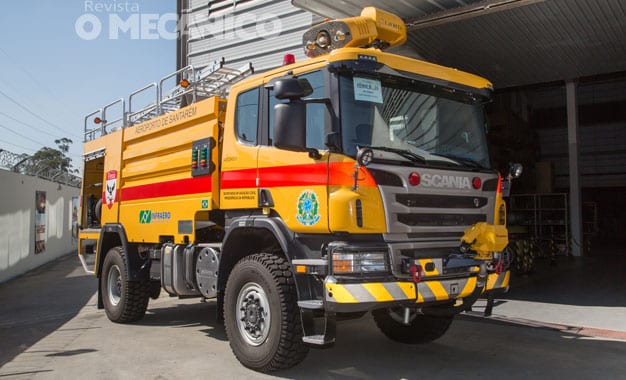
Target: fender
(113, 235)
(251, 234)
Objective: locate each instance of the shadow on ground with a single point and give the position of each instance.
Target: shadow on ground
(198, 314)
(31, 311)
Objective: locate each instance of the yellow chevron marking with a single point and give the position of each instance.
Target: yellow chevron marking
(340, 293)
(438, 290)
(491, 280)
(408, 289)
(420, 298)
(378, 291)
(507, 278)
(469, 287)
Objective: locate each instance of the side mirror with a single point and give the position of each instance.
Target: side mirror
(290, 118)
(292, 88)
(290, 126)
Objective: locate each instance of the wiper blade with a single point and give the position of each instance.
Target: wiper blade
(460, 160)
(413, 157)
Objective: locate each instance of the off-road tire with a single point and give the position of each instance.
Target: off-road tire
(421, 329)
(282, 347)
(124, 301)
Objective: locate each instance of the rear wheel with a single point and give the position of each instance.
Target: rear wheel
(261, 315)
(124, 301)
(421, 328)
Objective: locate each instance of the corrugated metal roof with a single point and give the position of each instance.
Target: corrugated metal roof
(510, 42)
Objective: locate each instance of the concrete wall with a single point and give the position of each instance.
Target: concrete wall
(17, 223)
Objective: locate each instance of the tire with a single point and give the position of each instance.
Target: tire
(421, 328)
(124, 301)
(261, 315)
(98, 211)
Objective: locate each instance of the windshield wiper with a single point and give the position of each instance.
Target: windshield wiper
(413, 157)
(461, 160)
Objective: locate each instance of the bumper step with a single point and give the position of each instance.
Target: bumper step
(318, 340)
(311, 304)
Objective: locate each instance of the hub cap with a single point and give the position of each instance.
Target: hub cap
(114, 285)
(253, 314)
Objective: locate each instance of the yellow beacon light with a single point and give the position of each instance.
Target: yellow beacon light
(373, 28)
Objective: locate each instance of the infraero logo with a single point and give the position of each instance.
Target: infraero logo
(145, 216)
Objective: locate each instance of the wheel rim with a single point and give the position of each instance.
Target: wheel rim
(114, 285)
(253, 314)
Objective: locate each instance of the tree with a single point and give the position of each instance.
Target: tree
(50, 159)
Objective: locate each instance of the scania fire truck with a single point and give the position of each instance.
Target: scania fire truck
(354, 181)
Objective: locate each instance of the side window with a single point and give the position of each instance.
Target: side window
(247, 116)
(315, 113)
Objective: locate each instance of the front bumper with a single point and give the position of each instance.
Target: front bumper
(498, 283)
(351, 297)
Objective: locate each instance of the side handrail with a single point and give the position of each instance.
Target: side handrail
(147, 110)
(121, 119)
(89, 133)
(178, 91)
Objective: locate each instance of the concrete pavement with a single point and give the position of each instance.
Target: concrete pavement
(50, 329)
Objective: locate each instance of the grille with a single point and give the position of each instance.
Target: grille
(440, 201)
(437, 220)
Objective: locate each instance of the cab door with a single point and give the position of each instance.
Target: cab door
(238, 182)
(294, 184)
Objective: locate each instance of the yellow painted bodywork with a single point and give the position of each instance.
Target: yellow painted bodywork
(485, 239)
(498, 280)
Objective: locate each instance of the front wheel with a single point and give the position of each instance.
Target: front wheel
(124, 301)
(421, 328)
(261, 315)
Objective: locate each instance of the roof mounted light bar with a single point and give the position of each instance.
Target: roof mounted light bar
(373, 28)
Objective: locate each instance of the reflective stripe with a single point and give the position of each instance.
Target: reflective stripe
(340, 294)
(425, 294)
(378, 292)
(400, 290)
(426, 291)
(469, 287)
(438, 290)
(497, 281)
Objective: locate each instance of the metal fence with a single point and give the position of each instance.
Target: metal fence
(22, 163)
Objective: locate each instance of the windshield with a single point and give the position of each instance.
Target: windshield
(394, 114)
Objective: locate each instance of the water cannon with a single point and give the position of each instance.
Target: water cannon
(373, 28)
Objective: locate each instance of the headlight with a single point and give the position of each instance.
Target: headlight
(367, 262)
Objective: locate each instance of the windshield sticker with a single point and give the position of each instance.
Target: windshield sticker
(368, 90)
(308, 208)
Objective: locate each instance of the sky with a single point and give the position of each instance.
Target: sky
(57, 66)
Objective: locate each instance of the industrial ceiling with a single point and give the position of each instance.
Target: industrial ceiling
(511, 42)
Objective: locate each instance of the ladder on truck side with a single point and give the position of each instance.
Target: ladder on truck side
(190, 85)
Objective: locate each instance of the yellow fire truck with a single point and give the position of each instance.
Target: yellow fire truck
(355, 181)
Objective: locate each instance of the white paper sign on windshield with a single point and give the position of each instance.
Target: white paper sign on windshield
(368, 90)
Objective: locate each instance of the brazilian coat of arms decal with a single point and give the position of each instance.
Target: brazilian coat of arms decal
(308, 208)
